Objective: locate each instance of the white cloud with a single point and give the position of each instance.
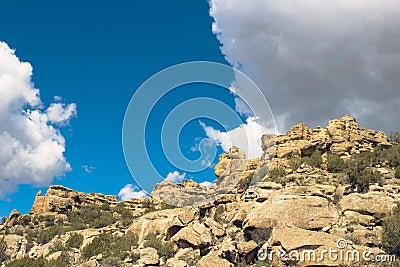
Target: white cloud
(130, 191)
(175, 177)
(88, 169)
(316, 60)
(61, 113)
(206, 184)
(31, 148)
(246, 136)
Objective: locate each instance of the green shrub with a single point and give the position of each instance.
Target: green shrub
(75, 240)
(3, 247)
(360, 173)
(397, 172)
(393, 156)
(3, 220)
(295, 163)
(44, 236)
(391, 232)
(394, 137)
(112, 262)
(335, 163)
(316, 159)
(110, 246)
(277, 173)
(164, 249)
(90, 216)
(39, 262)
(57, 246)
(48, 220)
(244, 182)
(125, 213)
(105, 206)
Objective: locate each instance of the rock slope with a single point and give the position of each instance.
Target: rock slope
(308, 209)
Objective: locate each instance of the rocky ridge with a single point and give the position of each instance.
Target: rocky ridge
(309, 208)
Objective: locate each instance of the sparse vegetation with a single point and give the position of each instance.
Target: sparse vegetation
(91, 216)
(110, 246)
(394, 137)
(316, 159)
(3, 247)
(244, 182)
(335, 163)
(295, 163)
(397, 172)
(277, 173)
(75, 241)
(164, 248)
(45, 235)
(391, 232)
(39, 262)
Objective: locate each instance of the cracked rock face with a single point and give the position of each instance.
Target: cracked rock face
(312, 209)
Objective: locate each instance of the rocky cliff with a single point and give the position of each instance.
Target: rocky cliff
(303, 208)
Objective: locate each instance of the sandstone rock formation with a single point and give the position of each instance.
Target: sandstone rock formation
(308, 210)
(342, 136)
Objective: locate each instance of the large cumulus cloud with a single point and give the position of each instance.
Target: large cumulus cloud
(31, 146)
(316, 60)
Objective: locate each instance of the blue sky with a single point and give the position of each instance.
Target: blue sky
(95, 54)
(344, 59)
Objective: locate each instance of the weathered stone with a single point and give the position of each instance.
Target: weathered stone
(212, 260)
(376, 204)
(176, 263)
(307, 212)
(248, 250)
(91, 263)
(194, 235)
(13, 219)
(149, 256)
(168, 222)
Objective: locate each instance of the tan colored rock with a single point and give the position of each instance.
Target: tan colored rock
(13, 219)
(241, 212)
(342, 136)
(166, 221)
(187, 254)
(217, 229)
(248, 250)
(291, 238)
(306, 212)
(15, 246)
(376, 204)
(195, 235)
(176, 263)
(54, 256)
(353, 217)
(233, 153)
(149, 256)
(91, 263)
(212, 260)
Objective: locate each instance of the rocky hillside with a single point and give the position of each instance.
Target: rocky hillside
(330, 188)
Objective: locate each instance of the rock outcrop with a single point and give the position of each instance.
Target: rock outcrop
(342, 136)
(306, 209)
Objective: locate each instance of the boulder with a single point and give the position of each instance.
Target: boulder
(167, 222)
(13, 219)
(306, 212)
(212, 260)
(195, 235)
(149, 256)
(376, 204)
(91, 263)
